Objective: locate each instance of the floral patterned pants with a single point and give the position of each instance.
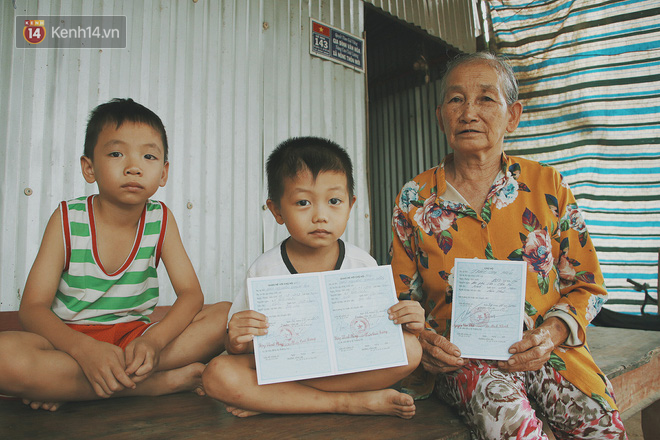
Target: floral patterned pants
(497, 405)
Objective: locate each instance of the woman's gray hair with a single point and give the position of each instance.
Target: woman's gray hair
(501, 66)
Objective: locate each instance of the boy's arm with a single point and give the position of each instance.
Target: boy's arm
(242, 329)
(103, 364)
(409, 314)
(244, 324)
(143, 353)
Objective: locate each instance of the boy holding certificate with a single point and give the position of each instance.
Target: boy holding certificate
(310, 188)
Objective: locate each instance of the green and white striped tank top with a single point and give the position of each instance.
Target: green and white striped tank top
(87, 294)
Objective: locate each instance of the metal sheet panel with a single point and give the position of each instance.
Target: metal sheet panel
(453, 21)
(405, 140)
(306, 95)
(404, 68)
(230, 79)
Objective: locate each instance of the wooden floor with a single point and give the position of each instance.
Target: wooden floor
(188, 416)
(630, 358)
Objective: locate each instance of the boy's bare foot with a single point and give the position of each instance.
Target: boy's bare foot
(383, 402)
(200, 391)
(48, 406)
(238, 412)
(186, 378)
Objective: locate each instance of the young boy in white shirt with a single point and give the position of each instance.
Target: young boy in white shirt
(310, 185)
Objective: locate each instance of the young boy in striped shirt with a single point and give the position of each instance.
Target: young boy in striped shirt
(93, 284)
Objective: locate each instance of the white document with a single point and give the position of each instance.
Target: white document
(488, 307)
(326, 323)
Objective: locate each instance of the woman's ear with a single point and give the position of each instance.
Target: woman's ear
(438, 115)
(275, 210)
(87, 169)
(515, 112)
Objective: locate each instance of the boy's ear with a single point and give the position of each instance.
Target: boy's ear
(275, 210)
(166, 171)
(87, 169)
(353, 202)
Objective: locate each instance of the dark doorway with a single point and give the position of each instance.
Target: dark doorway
(404, 66)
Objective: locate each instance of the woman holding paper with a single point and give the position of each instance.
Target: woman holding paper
(481, 203)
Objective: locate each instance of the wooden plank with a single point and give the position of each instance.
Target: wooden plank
(187, 415)
(638, 388)
(631, 360)
(617, 351)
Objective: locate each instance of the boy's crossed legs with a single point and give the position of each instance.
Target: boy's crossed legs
(232, 379)
(34, 370)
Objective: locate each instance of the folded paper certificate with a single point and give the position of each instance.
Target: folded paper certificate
(326, 323)
(488, 304)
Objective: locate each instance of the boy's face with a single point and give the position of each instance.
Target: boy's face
(315, 212)
(128, 164)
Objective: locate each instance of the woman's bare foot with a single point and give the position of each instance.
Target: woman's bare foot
(238, 412)
(383, 402)
(48, 406)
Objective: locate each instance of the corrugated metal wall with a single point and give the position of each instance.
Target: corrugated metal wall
(404, 141)
(230, 79)
(404, 68)
(307, 95)
(453, 21)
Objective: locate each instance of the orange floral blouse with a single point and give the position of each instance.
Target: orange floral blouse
(530, 215)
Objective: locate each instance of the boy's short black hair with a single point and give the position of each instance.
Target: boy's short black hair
(306, 153)
(118, 111)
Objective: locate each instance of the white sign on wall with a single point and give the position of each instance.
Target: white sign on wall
(336, 45)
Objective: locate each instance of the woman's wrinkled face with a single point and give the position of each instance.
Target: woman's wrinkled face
(474, 114)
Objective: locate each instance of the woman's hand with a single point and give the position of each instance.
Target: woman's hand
(409, 314)
(440, 355)
(533, 351)
(242, 329)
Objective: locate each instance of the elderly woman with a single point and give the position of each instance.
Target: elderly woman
(481, 203)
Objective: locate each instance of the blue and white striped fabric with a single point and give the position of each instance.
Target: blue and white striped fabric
(589, 74)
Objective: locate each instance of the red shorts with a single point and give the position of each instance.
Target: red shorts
(117, 334)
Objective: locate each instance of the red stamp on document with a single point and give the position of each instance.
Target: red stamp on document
(360, 326)
(480, 317)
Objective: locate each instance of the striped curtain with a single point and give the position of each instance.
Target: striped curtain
(589, 73)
